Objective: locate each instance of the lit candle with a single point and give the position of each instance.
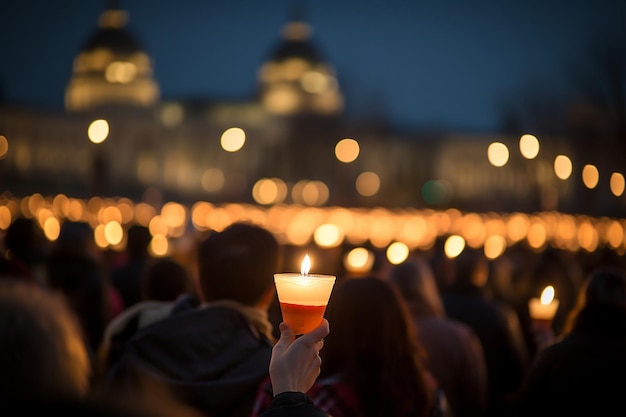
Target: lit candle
(303, 297)
(542, 310)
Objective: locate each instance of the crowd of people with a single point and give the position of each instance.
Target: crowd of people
(431, 337)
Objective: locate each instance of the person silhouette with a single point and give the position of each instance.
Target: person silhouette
(579, 372)
(214, 349)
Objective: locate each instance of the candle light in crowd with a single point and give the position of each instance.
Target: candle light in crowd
(303, 297)
(542, 310)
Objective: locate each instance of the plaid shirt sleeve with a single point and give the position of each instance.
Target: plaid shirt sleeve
(263, 398)
(335, 397)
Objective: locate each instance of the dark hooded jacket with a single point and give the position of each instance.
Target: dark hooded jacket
(209, 358)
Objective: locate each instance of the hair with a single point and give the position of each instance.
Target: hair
(238, 264)
(415, 281)
(42, 352)
(373, 346)
(604, 289)
(23, 240)
(165, 280)
(138, 241)
(471, 269)
(83, 282)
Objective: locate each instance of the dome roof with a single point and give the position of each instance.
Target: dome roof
(111, 68)
(296, 43)
(296, 78)
(112, 35)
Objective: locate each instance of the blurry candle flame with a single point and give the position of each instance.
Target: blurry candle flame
(306, 265)
(547, 295)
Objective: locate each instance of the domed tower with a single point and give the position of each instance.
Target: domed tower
(296, 79)
(112, 68)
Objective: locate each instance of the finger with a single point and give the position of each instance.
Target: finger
(286, 336)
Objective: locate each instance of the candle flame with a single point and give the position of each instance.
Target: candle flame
(547, 295)
(306, 265)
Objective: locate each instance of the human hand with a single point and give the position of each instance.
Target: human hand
(295, 363)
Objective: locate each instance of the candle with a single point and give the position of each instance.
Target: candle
(303, 297)
(543, 309)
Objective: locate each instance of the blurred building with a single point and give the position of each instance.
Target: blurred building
(281, 144)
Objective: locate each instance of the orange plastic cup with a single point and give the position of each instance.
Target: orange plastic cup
(303, 299)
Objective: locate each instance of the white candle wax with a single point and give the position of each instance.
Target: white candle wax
(310, 290)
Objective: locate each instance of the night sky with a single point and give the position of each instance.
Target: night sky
(427, 64)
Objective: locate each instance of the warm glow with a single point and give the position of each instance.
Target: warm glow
(98, 131)
(99, 237)
(108, 214)
(328, 236)
(158, 226)
(543, 309)
(213, 180)
(175, 214)
(144, 213)
(617, 184)
(562, 167)
(615, 234)
(172, 114)
(588, 236)
(529, 146)
(453, 246)
(120, 72)
(547, 295)
(347, 150)
(314, 82)
(397, 253)
(305, 266)
(537, 235)
(591, 176)
(159, 246)
(498, 154)
(5, 217)
(52, 228)
(113, 232)
(269, 191)
(4, 146)
(367, 184)
(233, 139)
(517, 227)
(314, 193)
(495, 246)
(358, 260)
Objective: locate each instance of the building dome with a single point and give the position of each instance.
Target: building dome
(296, 78)
(111, 69)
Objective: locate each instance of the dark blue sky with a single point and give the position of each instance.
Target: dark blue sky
(450, 64)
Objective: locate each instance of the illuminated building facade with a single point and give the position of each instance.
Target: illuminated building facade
(289, 131)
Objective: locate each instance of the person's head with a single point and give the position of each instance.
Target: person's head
(165, 280)
(604, 291)
(24, 241)
(75, 237)
(417, 285)
(238, 264)
(471, 269)
(82, 280)
(606, 288)
(42, 353)
(138, 241)
(374, 347)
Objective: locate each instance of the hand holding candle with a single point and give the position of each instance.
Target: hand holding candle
(303, 297)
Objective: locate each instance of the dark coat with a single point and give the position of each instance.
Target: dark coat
(584, 373)
(208, 357)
